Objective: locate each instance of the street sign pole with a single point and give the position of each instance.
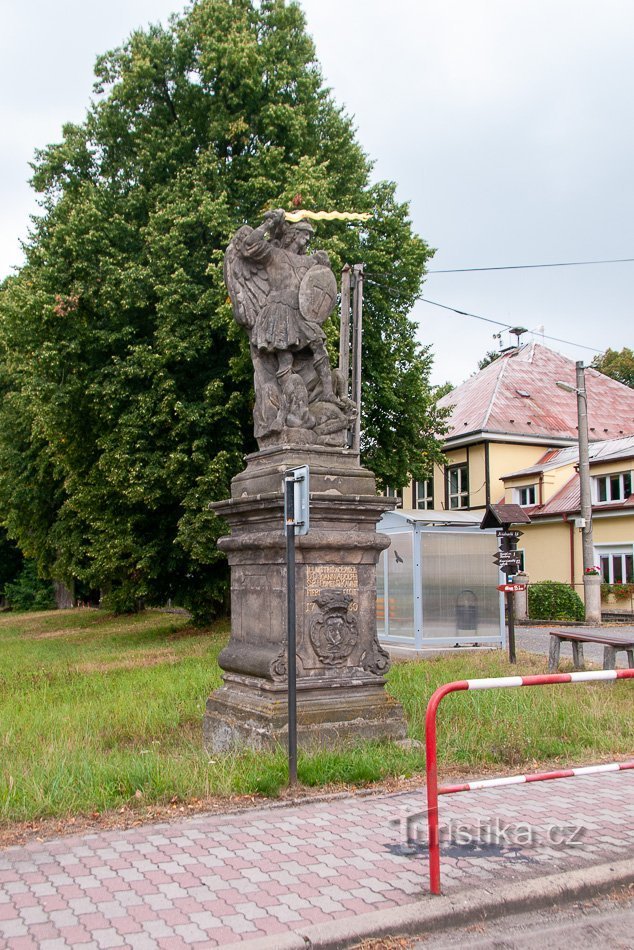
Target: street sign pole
(291, 665)
(296, 520)
(507, 560)
(503, 517)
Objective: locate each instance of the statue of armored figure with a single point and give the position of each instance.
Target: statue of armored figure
(282, 297)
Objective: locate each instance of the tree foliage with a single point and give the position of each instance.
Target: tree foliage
(489, 357)
(127, 387)
(28, 591)
(618, 364)
(11, 561)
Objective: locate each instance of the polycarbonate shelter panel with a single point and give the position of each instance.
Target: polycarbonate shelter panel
(399, 567)
(461, 603)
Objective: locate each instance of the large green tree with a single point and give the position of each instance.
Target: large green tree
(618, 364)
(127, 390)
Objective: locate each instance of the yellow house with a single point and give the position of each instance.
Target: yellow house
(552, 543)
(513, 437)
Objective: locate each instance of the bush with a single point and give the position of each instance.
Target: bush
(122, 600)
(552, 600)
(28, 591)
(620, 591)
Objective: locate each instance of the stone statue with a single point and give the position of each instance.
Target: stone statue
(282, 297)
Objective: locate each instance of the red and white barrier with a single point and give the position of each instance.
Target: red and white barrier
(433, 790)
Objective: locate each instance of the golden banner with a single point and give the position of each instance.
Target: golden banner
(326, 215)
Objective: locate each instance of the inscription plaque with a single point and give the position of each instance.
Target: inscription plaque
(322, 577)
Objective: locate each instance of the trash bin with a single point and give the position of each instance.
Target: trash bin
(466, 611)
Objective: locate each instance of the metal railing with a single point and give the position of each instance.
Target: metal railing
(434, 790)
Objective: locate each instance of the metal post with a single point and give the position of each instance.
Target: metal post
(584, 469)
(357, 333)
(289, 488)
(510, 609)
(344, 333)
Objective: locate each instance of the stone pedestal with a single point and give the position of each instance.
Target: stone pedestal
(340, 665)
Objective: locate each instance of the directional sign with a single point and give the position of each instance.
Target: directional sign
(511, 568)
(506, 557)
(511, 588)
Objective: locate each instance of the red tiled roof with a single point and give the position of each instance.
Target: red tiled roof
(516, 395)
(604, 450)
(568, 501)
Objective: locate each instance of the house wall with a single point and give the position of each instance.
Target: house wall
(477, 476)
(613, 530)
(612, 467)
(503, 457)
(547, 551)
(548, 483)
(553, 550)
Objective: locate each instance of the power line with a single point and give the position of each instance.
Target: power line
(507, 326)
(469, 270)
(476, 316)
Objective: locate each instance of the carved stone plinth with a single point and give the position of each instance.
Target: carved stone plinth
(340, 665)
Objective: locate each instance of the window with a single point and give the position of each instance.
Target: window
(424, 493)
(617, 565)
(526, 496)
(458, 486)
(612, 487)
(394, 493)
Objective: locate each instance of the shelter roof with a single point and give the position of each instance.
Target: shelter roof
(433, 517)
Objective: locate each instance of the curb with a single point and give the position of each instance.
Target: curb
(442, 913)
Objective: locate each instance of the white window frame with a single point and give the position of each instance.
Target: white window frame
(608, 554)
(424, 499)
(394, 493)
(462, 494)
(622, 488)
(525, 488)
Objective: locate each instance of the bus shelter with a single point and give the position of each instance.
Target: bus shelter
(437, 582)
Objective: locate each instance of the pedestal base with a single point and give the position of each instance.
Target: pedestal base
(251, 712)
(340, 664)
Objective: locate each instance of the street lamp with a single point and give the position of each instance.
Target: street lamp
(592, 601)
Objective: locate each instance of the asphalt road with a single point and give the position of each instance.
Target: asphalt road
(601, 923)
(537, 640)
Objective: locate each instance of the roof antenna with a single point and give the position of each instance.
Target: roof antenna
(517, 332)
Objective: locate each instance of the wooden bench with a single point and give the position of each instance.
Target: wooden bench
(611, 646)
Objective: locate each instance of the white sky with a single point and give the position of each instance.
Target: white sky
(507, 124)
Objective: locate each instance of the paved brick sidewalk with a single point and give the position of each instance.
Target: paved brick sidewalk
(216, 879)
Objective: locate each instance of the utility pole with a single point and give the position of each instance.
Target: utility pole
(584, 470)
(591, 584)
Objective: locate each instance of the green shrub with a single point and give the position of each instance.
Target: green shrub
(618, 591)
(28, 591)
(122, 599)
(552, 600)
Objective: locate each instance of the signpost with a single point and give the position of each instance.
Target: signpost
(507, 557)
(296, 519)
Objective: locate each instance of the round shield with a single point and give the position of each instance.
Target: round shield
(317, 293)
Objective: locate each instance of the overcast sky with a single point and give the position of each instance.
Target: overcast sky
(507, 124)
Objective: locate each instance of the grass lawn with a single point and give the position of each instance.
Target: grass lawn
(100, 712)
